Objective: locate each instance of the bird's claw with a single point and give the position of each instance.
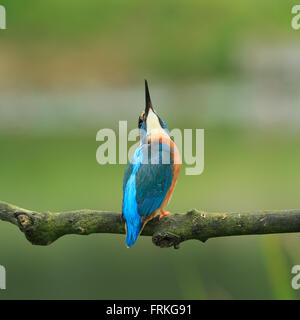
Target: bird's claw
(163, 214)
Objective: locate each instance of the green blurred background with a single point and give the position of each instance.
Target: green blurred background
(68, 69)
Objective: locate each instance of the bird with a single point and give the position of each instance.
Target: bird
(151, 174)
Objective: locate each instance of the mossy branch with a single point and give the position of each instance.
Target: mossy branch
(44, 228)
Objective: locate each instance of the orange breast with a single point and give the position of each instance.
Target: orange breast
(176, 158)
(176, 171)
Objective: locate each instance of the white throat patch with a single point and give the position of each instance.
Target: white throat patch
(152, 122)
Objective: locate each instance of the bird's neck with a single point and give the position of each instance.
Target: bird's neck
(154, 135)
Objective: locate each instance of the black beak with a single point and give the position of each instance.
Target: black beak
(148, 99)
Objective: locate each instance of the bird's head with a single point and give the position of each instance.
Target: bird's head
(149, 121)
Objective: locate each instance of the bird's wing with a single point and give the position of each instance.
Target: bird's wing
(127, 174)
(153, 181)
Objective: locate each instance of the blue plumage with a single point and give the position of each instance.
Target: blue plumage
(130, 207)
(145, 186)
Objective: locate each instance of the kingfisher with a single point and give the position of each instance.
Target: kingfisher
(151, 175)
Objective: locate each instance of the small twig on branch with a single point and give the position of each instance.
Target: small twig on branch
(44, 228)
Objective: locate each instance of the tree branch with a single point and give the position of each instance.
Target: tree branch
(44, 228)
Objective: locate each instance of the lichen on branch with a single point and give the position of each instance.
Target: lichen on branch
(43, 228)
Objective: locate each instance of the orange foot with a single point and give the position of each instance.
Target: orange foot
(163, 213)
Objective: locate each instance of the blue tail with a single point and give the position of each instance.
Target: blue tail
(133, 231)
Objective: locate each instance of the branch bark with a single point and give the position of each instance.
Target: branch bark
(44, 228)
